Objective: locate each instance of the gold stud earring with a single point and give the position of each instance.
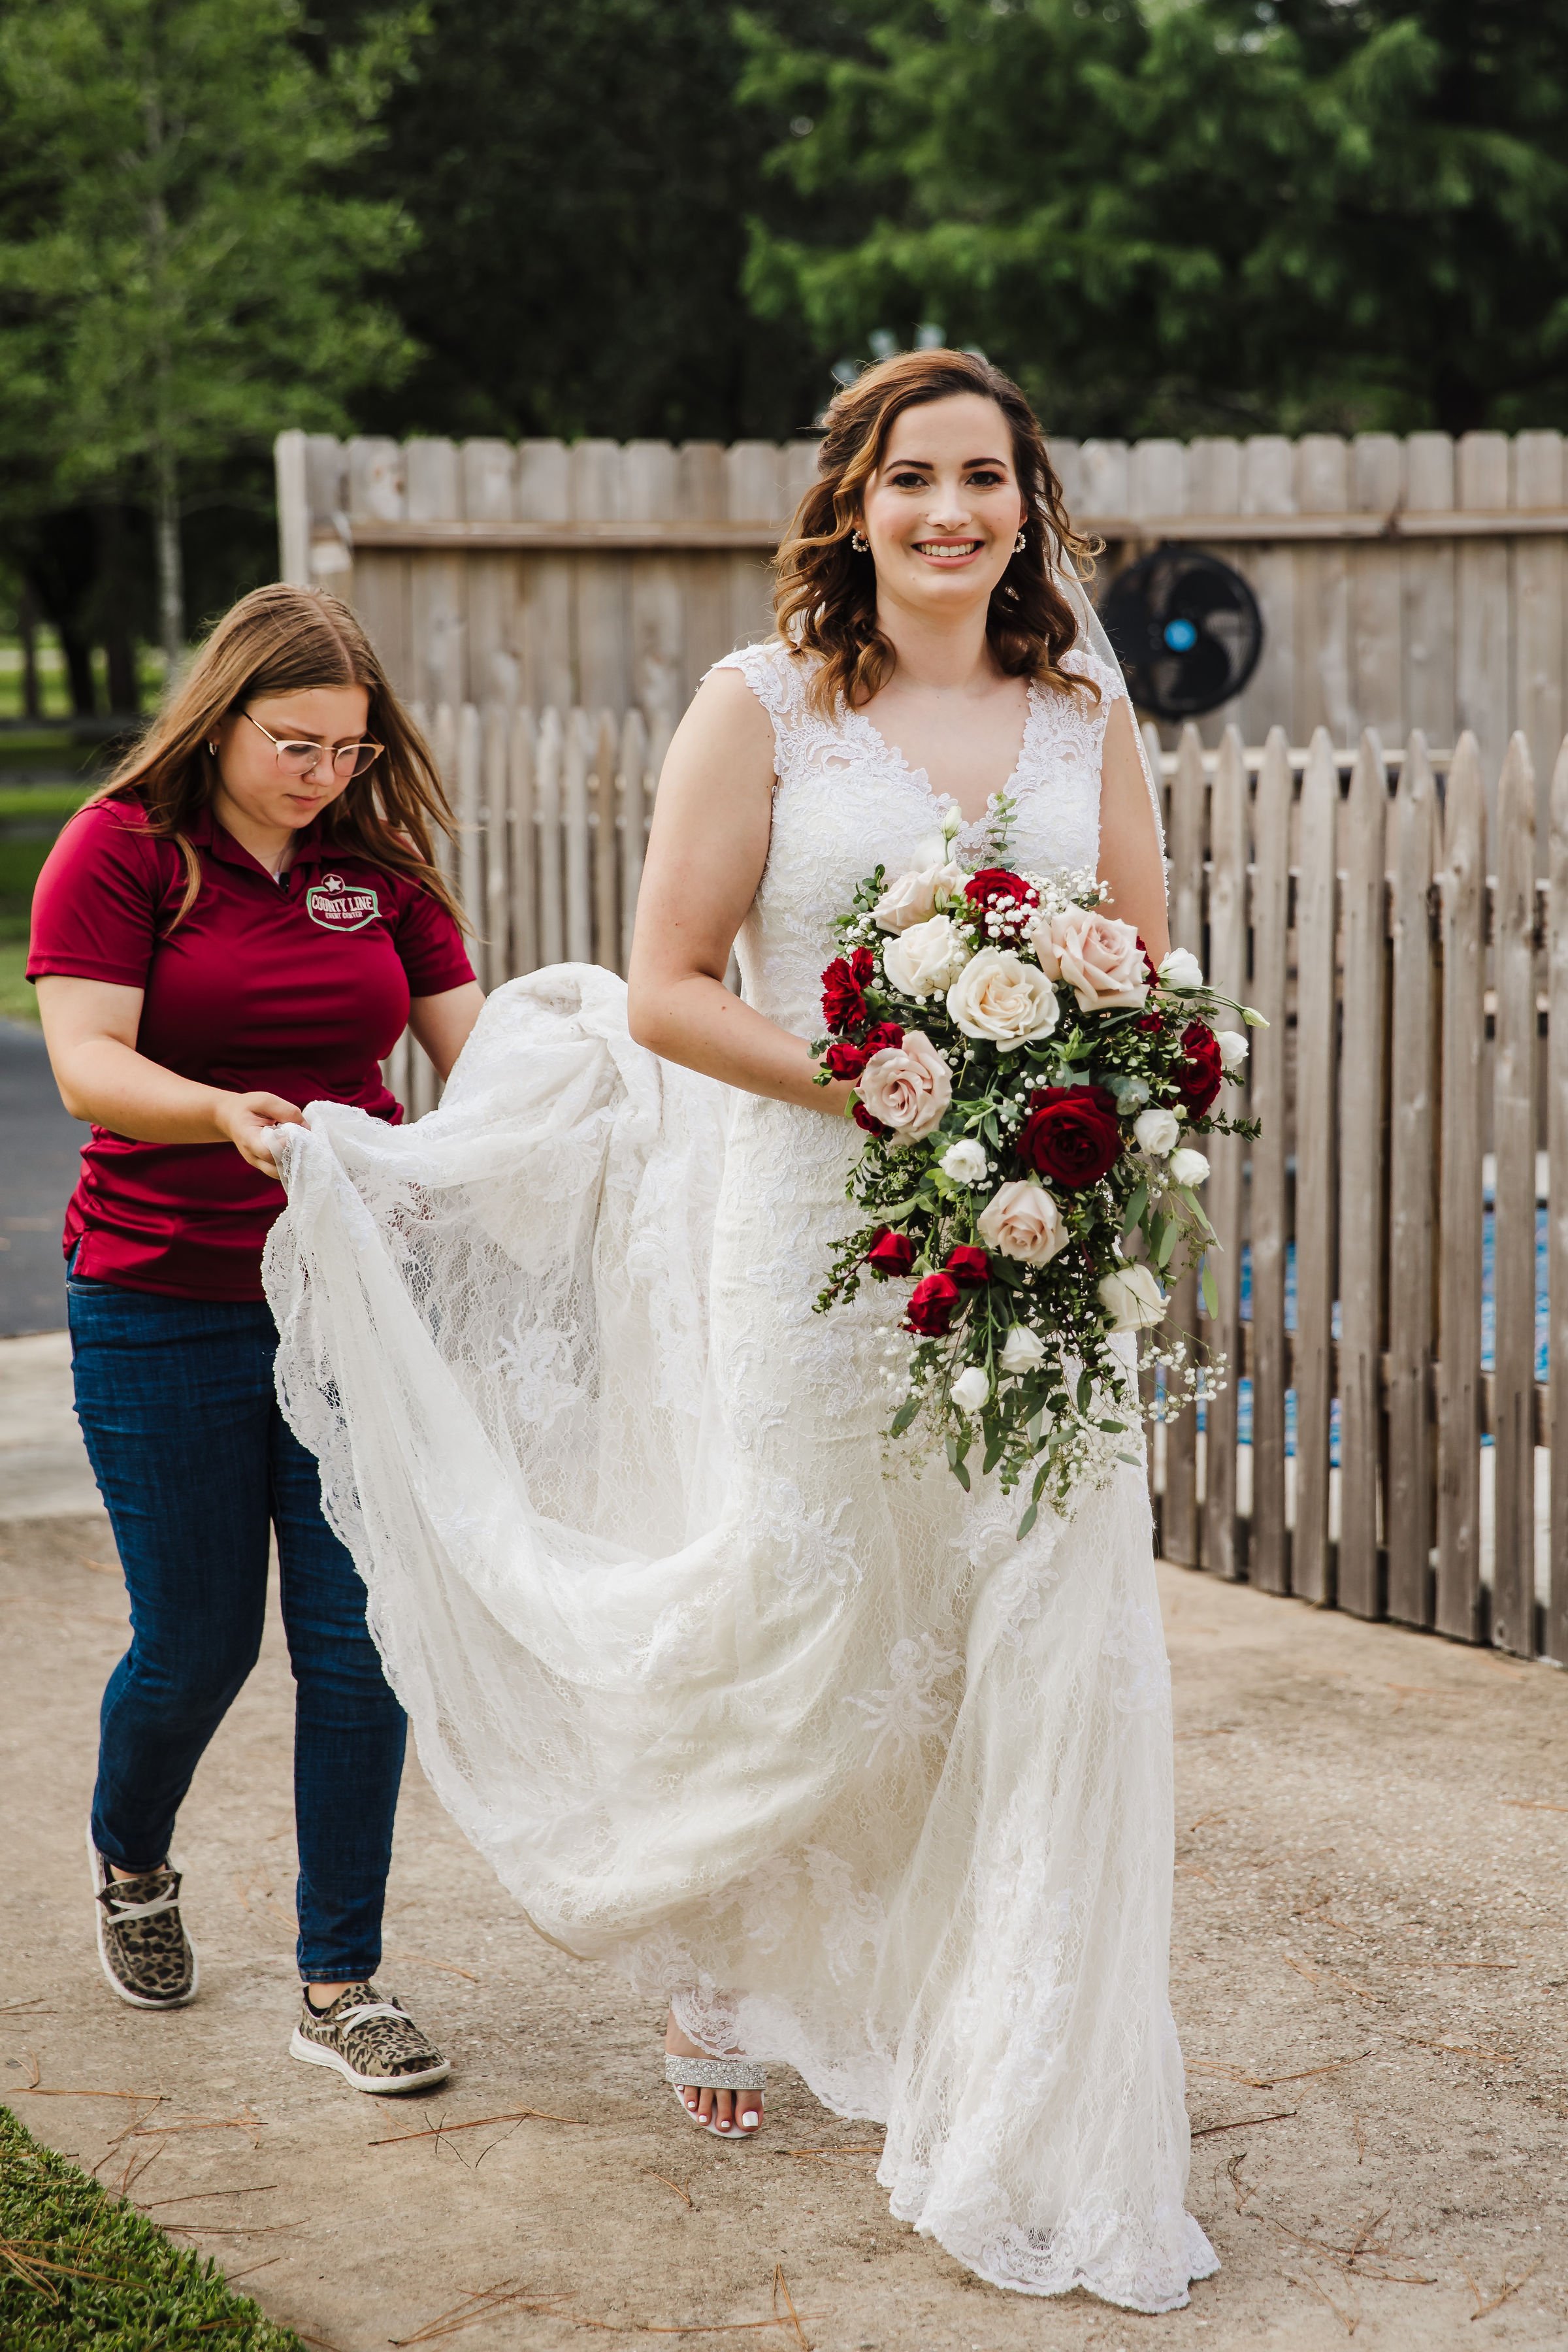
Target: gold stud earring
(1020, 542)
(859, 542)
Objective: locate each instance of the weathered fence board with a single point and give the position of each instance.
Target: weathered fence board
(1462, 886)
(1513, 1232)
(1557, 1227)
(1310, 1574)
(1363, 1093)
(1415, 583)
(1412, 1193)
(1188, 827)
(1227, 972)
(1268, 1553)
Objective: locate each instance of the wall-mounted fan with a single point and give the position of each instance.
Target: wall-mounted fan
(1186, 629)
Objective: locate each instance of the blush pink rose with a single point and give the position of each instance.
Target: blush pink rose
(1097, 957)
(908, 1086)
(1023, 1221)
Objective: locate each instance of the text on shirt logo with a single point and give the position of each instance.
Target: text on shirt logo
(337, 906)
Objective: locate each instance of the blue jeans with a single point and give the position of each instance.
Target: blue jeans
(195, 1464)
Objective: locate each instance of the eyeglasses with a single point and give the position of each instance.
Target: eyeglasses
(303, 759)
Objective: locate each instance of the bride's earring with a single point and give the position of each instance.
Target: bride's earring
(859, 542)
(1020, 542)
(212, 747)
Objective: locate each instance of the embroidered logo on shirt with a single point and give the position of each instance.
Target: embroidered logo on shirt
(339, 906)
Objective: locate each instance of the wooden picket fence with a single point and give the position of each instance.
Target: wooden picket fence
(1405, 582)
(1382, 912)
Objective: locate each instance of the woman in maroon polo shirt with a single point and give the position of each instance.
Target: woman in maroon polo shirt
(241, 923)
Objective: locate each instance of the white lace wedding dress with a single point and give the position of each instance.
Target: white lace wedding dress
(729, 1693)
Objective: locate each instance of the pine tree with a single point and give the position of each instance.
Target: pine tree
(179, 276)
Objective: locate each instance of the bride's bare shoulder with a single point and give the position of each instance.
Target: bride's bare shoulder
(731, 723)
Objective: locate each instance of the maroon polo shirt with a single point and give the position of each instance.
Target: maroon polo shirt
(299, 988)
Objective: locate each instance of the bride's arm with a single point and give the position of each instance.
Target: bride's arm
(1130, 856)
(705, 858)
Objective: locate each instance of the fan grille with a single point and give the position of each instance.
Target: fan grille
(1186, 630)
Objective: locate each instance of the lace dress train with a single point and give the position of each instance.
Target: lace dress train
(730, 1693)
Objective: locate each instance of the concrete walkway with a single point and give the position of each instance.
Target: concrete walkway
(1371, 1973)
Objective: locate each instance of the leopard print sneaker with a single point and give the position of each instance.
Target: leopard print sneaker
(373, 2043)
(143, 1947)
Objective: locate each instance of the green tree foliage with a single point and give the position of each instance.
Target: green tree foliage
(1190, 215)
(178, 275)
(580, 176)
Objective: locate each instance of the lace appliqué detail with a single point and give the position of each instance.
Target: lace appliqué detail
(914, 1705)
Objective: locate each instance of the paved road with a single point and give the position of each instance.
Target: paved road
(39, 1149)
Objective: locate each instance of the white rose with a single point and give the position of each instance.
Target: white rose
(925, 958)
(1101, 960)
(971, 1389)
(1000, 998)
(908, 1086)
(964, 1163)
(1023, 1221)
(1022, 1351)
(1181, 969)
(1232, 1048)
(1132, 1298)
(914, 897)
(1187, 1167)
(1158, 1131)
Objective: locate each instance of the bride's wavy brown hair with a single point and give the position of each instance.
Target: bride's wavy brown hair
(285, 640)
(825, 594)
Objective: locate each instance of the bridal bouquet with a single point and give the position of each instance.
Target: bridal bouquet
(1030, 1085)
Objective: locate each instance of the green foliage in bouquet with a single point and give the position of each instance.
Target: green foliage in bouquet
(1030, 1086)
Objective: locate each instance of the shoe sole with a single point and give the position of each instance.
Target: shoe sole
(134, 2000)
(387, 2086)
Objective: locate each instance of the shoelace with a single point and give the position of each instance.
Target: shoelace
(119, 1910)
(373, 2009)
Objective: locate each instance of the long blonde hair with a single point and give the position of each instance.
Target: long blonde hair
(285, 640)
(824, 596)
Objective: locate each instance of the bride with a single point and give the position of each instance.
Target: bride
(730, 1691)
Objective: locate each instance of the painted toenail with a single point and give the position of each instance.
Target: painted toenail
(750, 2118)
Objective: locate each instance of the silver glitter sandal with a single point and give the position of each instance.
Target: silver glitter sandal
(714, 2075)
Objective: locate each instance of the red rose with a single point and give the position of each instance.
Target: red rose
(968, 1265)
(863, 1118)
(891, 1252)
(843, 1003)
(1149, 1023)
(1196, 1077)
(996, 892)
(932, 1305)
(880, 1037)
(843, 1060)
(1149, 966)
(1071, 1134)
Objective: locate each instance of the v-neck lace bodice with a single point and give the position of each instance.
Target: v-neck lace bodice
(846, 798)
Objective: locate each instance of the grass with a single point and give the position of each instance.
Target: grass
(19, 997)
(79, 2268)
(30, 816)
